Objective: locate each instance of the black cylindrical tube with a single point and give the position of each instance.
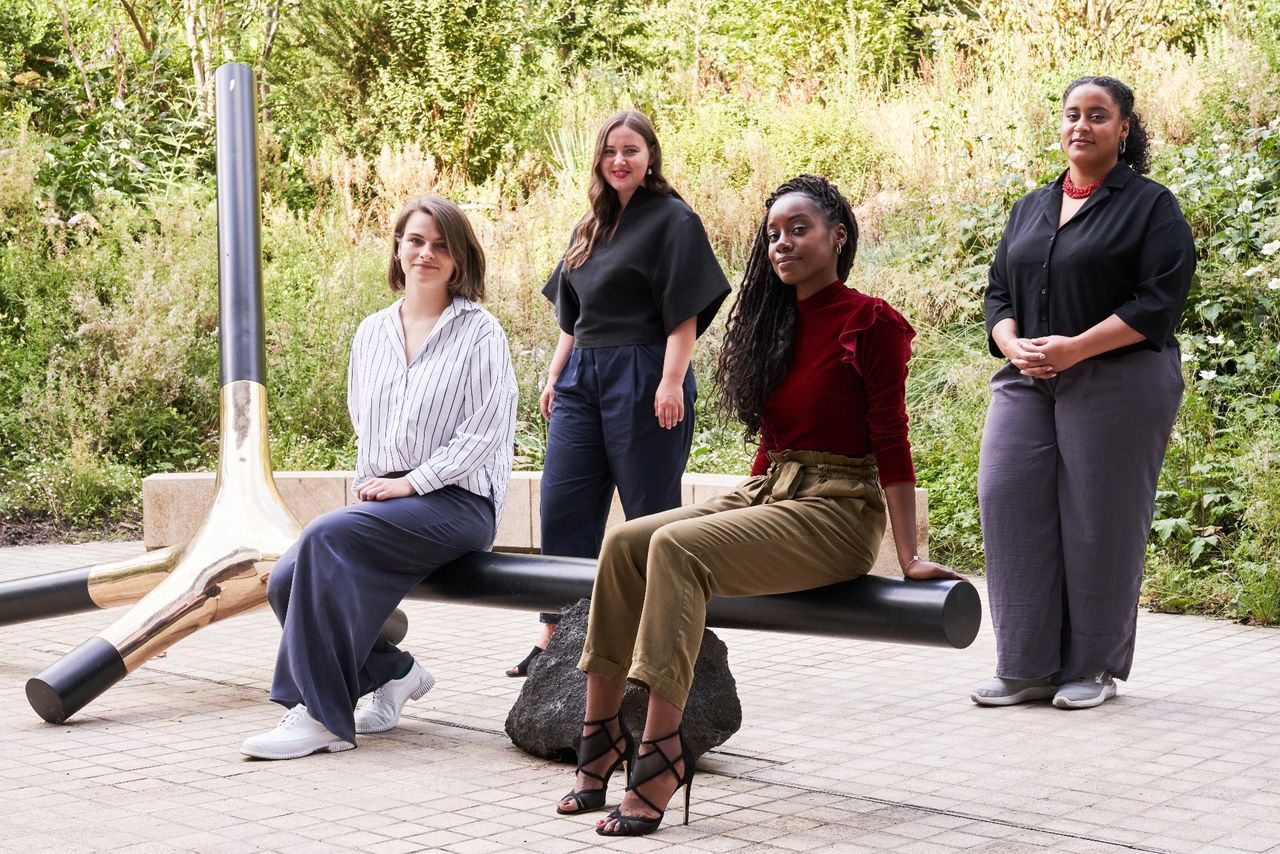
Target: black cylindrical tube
(241, 323)
(930, 613)
(66, 686)
(41, 596)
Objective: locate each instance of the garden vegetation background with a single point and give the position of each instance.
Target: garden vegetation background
(932, 115)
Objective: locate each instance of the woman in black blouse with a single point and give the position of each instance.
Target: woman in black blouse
(637, 285)
(1086, 289)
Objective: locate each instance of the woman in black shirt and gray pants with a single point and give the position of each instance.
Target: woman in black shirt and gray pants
(1086, 289)
(637, 285)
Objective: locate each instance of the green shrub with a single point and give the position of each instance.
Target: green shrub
(77, 489)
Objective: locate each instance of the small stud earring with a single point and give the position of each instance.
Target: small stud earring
(649, 171)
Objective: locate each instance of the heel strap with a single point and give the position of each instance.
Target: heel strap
(603, 721)
(601, 744)
(642, 771)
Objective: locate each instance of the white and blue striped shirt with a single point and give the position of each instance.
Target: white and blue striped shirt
(446, 417)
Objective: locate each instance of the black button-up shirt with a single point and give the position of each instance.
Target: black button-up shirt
(1127, 251)
(657, 272)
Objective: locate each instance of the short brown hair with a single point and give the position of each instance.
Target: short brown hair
(459, 238)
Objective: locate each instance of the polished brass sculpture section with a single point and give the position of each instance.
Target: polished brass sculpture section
(222, 570)
(123, 582)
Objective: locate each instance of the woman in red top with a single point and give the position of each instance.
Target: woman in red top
(817, 371)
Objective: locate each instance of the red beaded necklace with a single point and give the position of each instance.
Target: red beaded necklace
(1069, 187)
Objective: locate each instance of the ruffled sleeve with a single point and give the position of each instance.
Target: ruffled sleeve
(560, 292)
(687, 279)
(877, 342)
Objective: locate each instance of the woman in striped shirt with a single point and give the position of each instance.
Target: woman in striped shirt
(432, 397)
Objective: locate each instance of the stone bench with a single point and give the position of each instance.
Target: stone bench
(173, 505)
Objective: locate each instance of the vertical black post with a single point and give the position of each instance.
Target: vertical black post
(241, 326)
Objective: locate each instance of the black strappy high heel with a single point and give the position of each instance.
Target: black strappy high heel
(593, 747)
(644, 769)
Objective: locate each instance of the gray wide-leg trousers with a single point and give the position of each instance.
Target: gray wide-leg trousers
(335, 587)
(1066, 488)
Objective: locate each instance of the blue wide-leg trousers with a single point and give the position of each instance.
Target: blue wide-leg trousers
(335, 587)
(604, 433)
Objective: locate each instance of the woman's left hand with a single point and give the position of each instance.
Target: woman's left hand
(926, 570)
(382, 488)
(668, 403)
(1059, 351)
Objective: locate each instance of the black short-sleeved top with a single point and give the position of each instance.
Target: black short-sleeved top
(656, 272)
(1128, 251)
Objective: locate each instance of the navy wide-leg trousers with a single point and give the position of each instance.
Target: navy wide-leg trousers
(1066, 488)
(335, 587)
(604, 433)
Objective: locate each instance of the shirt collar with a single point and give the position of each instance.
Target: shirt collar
(391, 316)
(1122, 173)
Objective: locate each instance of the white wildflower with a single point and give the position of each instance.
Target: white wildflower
(1246, 206)
(1208, 375)
(1253, 271)
(1274, 285)
(1215, 339)
(1227, 171)
(1271, 248)
(1188, 357)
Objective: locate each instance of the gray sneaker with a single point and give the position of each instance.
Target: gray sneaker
(1010, 692)
(1085, 692)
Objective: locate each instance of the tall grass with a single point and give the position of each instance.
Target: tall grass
(109, 328)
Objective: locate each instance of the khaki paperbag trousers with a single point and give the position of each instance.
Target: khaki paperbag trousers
(814, 519)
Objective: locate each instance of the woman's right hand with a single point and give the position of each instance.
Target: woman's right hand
(547, 398)
(1026, 359)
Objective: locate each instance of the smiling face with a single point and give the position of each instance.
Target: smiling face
(624, 161)
(424, 254)
(802, 244)
(1092, 128)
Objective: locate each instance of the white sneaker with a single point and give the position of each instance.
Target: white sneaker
(1085, 692)
(380, 710)
(298, 734)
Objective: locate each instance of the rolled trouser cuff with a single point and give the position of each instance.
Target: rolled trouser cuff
(604, 668)
(676, 691)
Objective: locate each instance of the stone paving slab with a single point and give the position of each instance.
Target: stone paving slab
(846, 746)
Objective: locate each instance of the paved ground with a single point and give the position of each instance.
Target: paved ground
(845, 746)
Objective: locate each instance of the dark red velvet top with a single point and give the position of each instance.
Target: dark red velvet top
(846, 391)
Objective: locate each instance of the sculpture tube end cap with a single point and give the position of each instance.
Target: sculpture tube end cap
(67, 686)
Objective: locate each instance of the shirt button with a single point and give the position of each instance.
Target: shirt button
(1045, 264)
(1044, 290)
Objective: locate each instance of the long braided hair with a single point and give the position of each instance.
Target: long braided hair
(758, 344)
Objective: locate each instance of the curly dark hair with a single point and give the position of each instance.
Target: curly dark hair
(758, 343)
(1136, 145)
